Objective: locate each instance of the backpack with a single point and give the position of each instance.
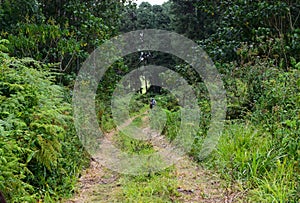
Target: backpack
(153, 102)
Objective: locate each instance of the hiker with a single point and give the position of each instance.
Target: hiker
(152, 103)
(144, 57)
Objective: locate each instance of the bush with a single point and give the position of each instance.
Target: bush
(40, 154)
(262, 149)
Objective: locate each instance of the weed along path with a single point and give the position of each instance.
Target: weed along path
(184, 181)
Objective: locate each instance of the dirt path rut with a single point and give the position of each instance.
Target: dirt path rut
(195, 184)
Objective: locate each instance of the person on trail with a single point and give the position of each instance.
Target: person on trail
(152, 103)
(145, 57)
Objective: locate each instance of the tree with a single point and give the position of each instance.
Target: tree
(145, 16)
(61, 31)
(223, 27)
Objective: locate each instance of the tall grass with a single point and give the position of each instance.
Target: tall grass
(247, 155)
(261, 149)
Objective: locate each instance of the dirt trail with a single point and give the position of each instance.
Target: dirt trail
(195, 184)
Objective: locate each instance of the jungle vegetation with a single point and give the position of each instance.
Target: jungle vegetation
(255, 46)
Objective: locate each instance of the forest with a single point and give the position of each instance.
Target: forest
(254, 45)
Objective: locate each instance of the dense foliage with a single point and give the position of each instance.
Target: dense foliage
(40, 156)
(63, 32)
(254, 44)
(44, 44)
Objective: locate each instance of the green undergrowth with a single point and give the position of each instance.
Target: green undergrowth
(154, 187)
(40, 154)
(157, 187)
(132, 146)
(261, 150)
(249, 156)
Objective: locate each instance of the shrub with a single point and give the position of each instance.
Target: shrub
(40, 154)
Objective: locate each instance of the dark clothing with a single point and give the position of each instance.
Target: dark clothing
(152, 103)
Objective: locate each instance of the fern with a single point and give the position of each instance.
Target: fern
(40, 156)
